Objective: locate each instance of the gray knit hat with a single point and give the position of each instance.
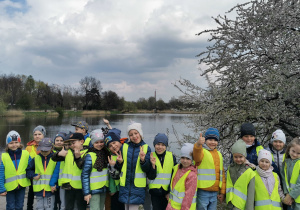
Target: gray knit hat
(41, 129)
(239, 147)
(278, 135)
(96, 135)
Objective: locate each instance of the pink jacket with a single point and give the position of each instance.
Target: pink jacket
(190, 186)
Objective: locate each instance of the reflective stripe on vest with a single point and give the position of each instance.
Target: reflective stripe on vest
(263, 201)
(98, 179)
(44, 182)
(139, 175)
(14, 177)
(292, 183)
(71, 173)
(163, 176)
(178, 192)
(207, 171)
(237, 193)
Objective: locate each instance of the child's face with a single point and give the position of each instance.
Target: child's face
(278, 145)
(248, 139)
(99, 144)
(264, 164)
(295, 152)
(80, 130)
(114, 146)
(239, 158)
(67, 145)
(186, 162)
(38, 136)
(76, 144)
(13, 145)
(45, 153)
(160, 148)
(211, 143)
(134, 136)
(59, 142)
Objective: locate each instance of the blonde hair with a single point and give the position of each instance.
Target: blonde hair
(21, 147)
(294, 142)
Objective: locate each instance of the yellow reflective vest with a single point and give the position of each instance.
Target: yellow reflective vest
(139, 175)
(207, 171)
(292, 183)
(263, 201)
(70, 172)
(98, 179)
(87, 142)
(117, 181)
(14, 177)
(237, 193)
(163, 174)
(32, 151)
(258, 148)
(44, 182)
(61, 167)
(178, 192)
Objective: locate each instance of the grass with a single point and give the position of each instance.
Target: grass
(41, 113)
(95, 112)
(13, 113)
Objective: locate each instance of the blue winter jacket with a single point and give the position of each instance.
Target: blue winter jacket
(85, 177)
(30, 173)
(130, 194)
(15, 156)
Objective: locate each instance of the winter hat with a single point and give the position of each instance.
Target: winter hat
(45, 145)
(13, 136)
(239, 147)
(212, 133)
(263, 153)
(41, 129)
(247, 129)
(161, 138)
(81, 124)
(187, 150)
(278, 135)
(60, 134)
(111, 137)
(135, 126)
(96, 135)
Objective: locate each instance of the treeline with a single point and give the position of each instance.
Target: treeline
(24, 92)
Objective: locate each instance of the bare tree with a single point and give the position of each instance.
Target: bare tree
(87, 85)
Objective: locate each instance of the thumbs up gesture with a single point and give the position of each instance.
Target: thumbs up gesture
(63, 152)
(201, 140)
(142, 153)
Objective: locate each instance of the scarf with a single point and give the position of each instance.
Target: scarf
(101, 160)
(267, 178)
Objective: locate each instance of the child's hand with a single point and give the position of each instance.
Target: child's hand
(221, 197)
(288, 200)
(142, 153)
(152, 160)
(37, 177)
(201, 140)
(53, 189)
(3, 194)
(167, 196)
(63, 152)
(87, 198)
(107, 123)
(111, 161)
(77, 153)
(119, 157)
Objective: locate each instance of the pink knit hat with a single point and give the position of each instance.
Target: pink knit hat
(264, 154)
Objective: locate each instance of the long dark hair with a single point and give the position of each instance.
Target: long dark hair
(295, 141)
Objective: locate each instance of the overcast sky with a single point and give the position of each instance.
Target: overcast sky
(132, 46)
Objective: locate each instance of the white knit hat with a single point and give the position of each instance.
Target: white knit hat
(135, 126)
(263, 153)
(278, 135)
(187, 150)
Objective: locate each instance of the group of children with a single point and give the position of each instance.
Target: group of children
(79, 169)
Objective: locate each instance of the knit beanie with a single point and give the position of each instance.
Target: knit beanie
(13, 136)
(135, 126)
(187, 150)
(96, 135)
(112, 136)
(239, 147)
(41, 129)
(278, 135)
(60, 134)
(161, 138)
(263, 153)
(247, 129)
(212, 133)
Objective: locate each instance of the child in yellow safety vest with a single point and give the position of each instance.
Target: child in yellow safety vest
(209, 161)
(268, 192)
(94, 174)
(160, 173)
(290, 174)
(183, 187)
(39, 133)
(41, 169)
(14, 162)
(240, 184)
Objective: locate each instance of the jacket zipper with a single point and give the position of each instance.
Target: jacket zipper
(131, 173)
